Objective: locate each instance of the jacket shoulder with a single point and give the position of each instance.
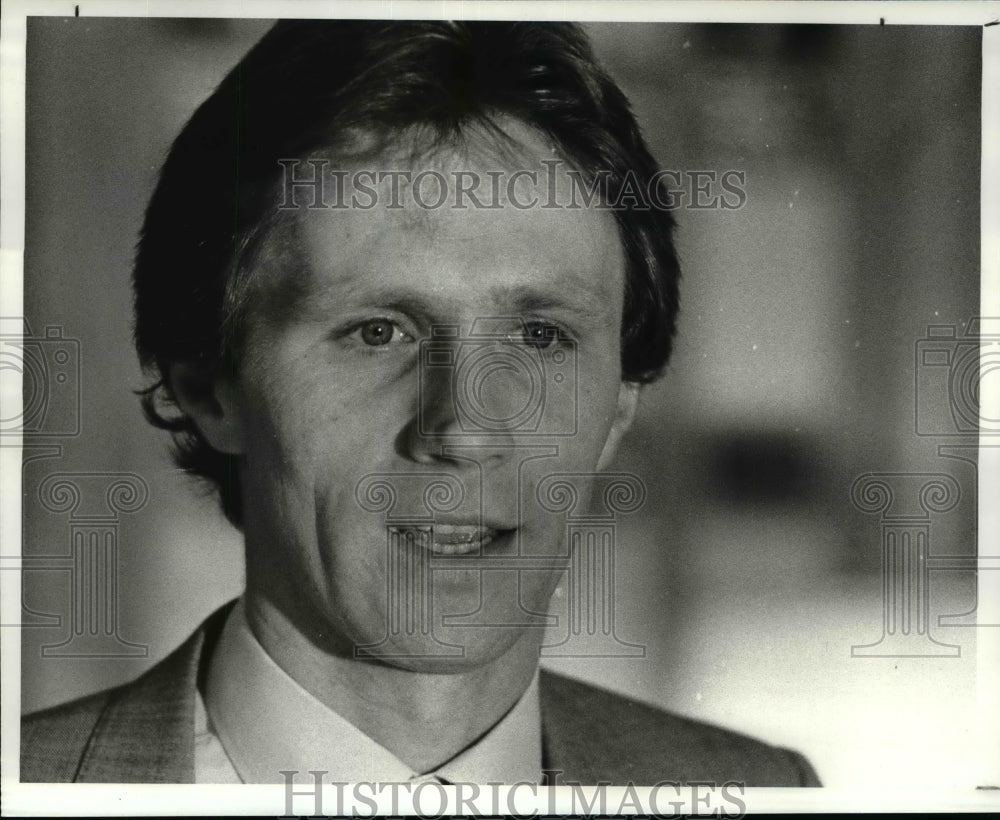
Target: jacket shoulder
(139, 732)
(54, 741)
(614, 738)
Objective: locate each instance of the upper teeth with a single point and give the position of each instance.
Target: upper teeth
(450, 533)
(447, 534)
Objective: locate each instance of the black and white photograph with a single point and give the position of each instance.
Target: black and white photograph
(500, 408)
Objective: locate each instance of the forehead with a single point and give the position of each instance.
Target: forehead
(467, 221)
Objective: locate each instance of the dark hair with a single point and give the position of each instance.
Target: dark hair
(308, 81)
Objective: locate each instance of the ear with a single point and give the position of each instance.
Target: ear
(210, 401)
(628, 401)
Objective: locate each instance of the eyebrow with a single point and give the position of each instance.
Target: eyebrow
(400, 299)
(517, 300)
(580, 301)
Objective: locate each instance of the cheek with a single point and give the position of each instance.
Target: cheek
(288, 423)
(321, 433)
(597, 407)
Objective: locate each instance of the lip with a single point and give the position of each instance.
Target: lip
(452, 539)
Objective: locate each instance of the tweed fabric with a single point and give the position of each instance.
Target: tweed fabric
(595, 736)
(143, 732)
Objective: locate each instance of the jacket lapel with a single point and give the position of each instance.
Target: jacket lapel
(146, 732)
(591, 736)
(571, 751)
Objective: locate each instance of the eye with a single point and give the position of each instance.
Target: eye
(381, 332)
(541, 335)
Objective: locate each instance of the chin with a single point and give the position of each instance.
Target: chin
(455, 650)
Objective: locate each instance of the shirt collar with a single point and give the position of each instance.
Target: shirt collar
(268, 723)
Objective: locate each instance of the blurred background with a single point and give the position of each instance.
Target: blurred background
(749, 574)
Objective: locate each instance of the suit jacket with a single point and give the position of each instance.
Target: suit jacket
(143, 732)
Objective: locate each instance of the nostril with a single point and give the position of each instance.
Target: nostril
(416, 444)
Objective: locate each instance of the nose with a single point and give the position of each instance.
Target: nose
(475, 407)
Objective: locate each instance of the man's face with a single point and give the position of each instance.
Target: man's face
(342, 418)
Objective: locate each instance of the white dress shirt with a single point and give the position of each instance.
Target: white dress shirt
(256, 721)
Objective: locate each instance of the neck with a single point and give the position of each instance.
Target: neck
(423, 717)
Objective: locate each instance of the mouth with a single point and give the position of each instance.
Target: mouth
(451, 539)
